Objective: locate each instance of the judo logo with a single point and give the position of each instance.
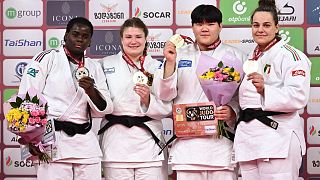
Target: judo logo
(285, 35)
(32, 72)
(192, 114)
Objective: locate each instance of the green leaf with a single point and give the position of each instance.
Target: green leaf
(232, 69)
(28, 97)
(18, 101)
(35, 99)
(220, 64)
(14, 105)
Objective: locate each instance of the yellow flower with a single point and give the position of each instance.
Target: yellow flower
(237, 78)
(210, 74)
(226, 70)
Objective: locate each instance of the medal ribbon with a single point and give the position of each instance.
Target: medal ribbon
(187, 39)
(215, 44)
(79, 62)
(132, 64)
(258, 52)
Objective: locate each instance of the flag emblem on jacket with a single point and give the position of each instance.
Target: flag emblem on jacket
(267, 68)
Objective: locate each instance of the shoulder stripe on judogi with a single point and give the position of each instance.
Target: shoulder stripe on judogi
(41, 55)
(294, 53)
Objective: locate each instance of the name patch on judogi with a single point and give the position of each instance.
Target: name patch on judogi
(299, 73)
(184, 63)
(109, 70)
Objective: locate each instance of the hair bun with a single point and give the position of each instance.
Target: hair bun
(270, 3)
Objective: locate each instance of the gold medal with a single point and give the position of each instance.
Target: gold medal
(177, 40)
(150, 79)
(139, 78)
(250, 66)
(81, 72)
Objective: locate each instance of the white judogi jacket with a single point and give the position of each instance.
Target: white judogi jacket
(205, 153)
(131, 147)
(286, 73)
(50, 73)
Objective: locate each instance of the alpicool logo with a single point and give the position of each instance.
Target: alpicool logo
(137, 12)
(239, 7)
(8, 161)
(11, 13)
(54, 42)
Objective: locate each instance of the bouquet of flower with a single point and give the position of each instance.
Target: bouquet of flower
(26, 116)
(219, 80)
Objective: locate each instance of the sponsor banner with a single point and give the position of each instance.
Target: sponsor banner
(314, 101)
(108, 12)
(313, 44)
(184, 9)
(9, 138)
(153, 13)
(22, 42)
(313, 130)
(13, 70)
(167, 128)
(290, 12)
(105, 43)
(237, 12)
(19, 13)
(293, 36)
(238, 37)
(59, 12)
(12, 164)
(156, 40)
(54, 38)
(315, 73)
(313, 11)
(313, 160)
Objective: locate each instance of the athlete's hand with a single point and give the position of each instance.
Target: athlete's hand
(169, 52)
(87, 84)
(257, 81)
(144, 92)
(225, 113)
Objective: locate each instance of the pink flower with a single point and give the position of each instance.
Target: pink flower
(35, 113)
(38, 120)
(44, 121)
(32, 121)
(42, 112)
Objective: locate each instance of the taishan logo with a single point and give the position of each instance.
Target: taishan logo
(21, 42)
(11, 13)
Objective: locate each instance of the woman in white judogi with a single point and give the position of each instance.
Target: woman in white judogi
(52, 73)
(131, 152)
(271, 146)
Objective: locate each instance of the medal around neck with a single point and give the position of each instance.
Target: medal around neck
(81, 72)
(139, 78)
(177, 40)
(250, 66)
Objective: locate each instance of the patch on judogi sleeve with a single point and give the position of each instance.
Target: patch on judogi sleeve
(32, 72)
(299, 72)
(184, 63)
(109, 70)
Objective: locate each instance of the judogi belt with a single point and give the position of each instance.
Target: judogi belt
(71, 128)
(129, 122)
(249, 114)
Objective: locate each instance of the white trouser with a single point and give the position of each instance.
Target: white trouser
(147, 173)
(68, 171)
(206, 175)
(275, 169)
